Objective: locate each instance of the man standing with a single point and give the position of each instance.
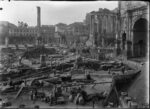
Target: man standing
(123, 69)
(93, 101)
(109, 71)
(123, 40)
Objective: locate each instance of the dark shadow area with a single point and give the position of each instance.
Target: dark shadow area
(140, 37)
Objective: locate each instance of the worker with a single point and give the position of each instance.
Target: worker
(74, 65)
(93, 101)
(25, 82)
(50, 99)
(69, 75)
(121, 63)
(31, 97)
(123, 69)
(85, 73)
(93, 85)
(42, 83)
(88, 76)
(54, 91)
(34, 98)
(54, 72)
(10, 83)
(35, 94)
(109, 71)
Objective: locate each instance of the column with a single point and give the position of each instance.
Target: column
(100, 24)
(98, 30)
(38, 16)
(6, 41)
(92, 24)
(103, 24)
(106, 23)
(91, 29)
(114, 25)
(132, 37)
(103, 27)
(38, 25)
(109, 23)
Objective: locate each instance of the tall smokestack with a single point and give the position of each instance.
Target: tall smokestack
(38, 16)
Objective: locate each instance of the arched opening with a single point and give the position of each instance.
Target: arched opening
(140, 38)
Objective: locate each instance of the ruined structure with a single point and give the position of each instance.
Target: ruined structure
(39, 38)
(127, 25)
(22, 34)
(134, 22)
(102, 25)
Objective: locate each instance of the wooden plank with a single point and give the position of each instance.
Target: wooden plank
(19, 92)
(78, 84)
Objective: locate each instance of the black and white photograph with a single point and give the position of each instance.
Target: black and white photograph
(74, 54)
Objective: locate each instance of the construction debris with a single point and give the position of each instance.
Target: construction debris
(64, 80)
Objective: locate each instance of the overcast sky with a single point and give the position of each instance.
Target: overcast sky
(51, 12)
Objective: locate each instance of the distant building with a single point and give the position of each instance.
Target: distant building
(60, 30)
(4, 31)
(48, 32)
(60, 27)
(30, 31)
(79, 28)
(102, 26)
(20, 35)
(79, 32)
(12, 34)
(72, 33)
(28, 35)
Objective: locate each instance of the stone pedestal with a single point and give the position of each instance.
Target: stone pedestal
(129, 49)
(103, 42)
(42, 60)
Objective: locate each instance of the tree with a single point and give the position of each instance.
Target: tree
(25, 25)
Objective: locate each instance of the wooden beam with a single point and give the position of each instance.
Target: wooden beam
(70, 85)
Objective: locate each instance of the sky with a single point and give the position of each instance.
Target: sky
(52, 12)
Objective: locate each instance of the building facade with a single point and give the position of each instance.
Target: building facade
(4, 31)
(28, 35)
(72, 33)
(48, 32)
(79, 32)
(60, 30)
(60, 27)
(22, 35)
